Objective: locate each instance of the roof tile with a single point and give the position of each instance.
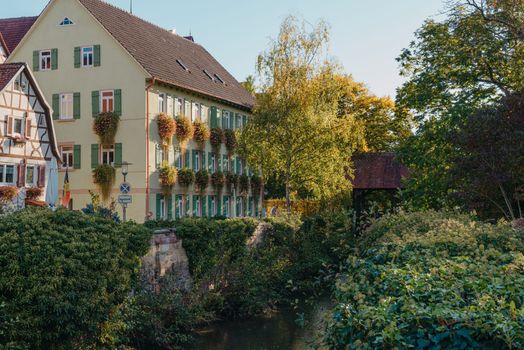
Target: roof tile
(7, 73)
(14, 29)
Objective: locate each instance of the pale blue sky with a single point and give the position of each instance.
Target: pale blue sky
(367, 35)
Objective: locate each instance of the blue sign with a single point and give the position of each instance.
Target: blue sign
(125, 188)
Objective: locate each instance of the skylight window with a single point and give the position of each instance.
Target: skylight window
(182, 64)
(66, 22)
(219, 79)
(209, 75)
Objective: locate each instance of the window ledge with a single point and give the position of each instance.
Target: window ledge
(63, 170)
(64, 120)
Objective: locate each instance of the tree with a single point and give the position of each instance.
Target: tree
(296, 133)
(249, 85)
(489, 172)
(453, 68)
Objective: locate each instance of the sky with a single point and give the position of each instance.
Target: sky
(366, 35)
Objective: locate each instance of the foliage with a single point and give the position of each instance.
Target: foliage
(8, 193)
(202, 180)
(490, 167)
(33, 193)
(256, 186)
(243, 184)
(453, 68)
(232, 179)
(201, 133)
(166, 128)
(167, 175)
(104, 176)
(63, 273)
(432, 280)
(216, 139)
(249, 85)
(296, 134)
(186, 177)
(184, 130)
(230, 140)
(105, 126)
(97, 208)
(218, 180)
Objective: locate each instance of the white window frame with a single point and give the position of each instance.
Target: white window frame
(204, 113)
(41, 58)
(179, 103)
(162, 101)
(187, 108)
(105, 151)
(198, 159)
(3, 174)
(83, 54)
(63, 24)
(198, 206)
(69, 151)
(213, 162)
(212, 209)
(163, 208)
(104, 98)
(227, 207)
(196, 112)
(35, 175)
(66, 113)
(20, 119)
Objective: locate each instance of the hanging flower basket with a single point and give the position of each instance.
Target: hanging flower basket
(104, 177)
(186, 177)
(166, 128)
(184, 131)
(202, 180)
(243, 184)
(8, 193)
(167, 175)
(218, 180)
(230, 139)
(256, 186)
(200, 134)
(232, 180)
(216, 139)
(105, 126)
(33, 193)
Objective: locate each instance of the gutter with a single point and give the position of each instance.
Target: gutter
(148, 166)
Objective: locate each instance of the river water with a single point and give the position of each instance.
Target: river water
(281, 331)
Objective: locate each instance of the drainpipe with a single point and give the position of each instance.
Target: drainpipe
(148, 185)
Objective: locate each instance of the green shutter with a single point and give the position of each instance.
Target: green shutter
(204, 206)
(193, 153)
(97, 55)
(118, 102)
(95, 102)
(219, 205)
(54, 59)
(187, 163)
(94, 155)
(224, 126)
(36, 60)
(214, 121)
(56, 106)
(203, 160)
(244, 120)
(118, 155)
(76, 105)
(158, 199)
(188, 206)
(195, 205)
(210, 206)
(170, 207)
(209, 162)
(77, 156)
(77, 57)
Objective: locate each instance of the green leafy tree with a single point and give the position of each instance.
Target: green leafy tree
(249, 84)
(296, 134)
(454, 67)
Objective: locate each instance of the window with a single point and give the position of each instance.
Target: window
(212, 206)
(66, 106)
(179, 104)
(7, 174)
(209, 75)
(178, 207)
(30, 178)
(219, 79)
(196, 166)
(108, 155)
(107, 102)
(18, 123)
(226, 206)
(45, 60)
(161, 103)
(182, 64)
(66, 22)
(187, 109)
(225, 163)
(66, 156)
(195, 115)
(87, 56)
(204, 113)
(163, 208)
(213, 163)
(196, 206)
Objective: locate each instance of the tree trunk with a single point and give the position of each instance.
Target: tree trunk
(288, 197)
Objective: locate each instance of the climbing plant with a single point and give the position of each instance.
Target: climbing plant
(104, 177)
(167, 175)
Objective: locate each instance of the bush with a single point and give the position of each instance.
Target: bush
(62, 274)
(432, 280)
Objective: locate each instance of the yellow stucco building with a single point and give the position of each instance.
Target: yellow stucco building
(91, 57)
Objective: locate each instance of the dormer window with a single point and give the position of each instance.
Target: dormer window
(66, 22)
(208, 75)
(219, 79)
(182, 64)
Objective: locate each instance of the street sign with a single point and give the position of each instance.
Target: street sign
(125, 187)
(125, 199)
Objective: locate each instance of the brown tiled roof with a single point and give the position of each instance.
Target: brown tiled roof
(378, 171)
(3, 44)
(157, 51)
(14, 29)
(7, 73)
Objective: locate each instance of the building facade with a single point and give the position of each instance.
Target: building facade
(27, 139)
(91, 57)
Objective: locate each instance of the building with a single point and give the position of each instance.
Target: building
(91, 57)
(27, 138)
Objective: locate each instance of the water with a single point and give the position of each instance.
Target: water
(278, 332)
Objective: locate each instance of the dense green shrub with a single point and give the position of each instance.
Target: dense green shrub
(62, 274)
(432, 281)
